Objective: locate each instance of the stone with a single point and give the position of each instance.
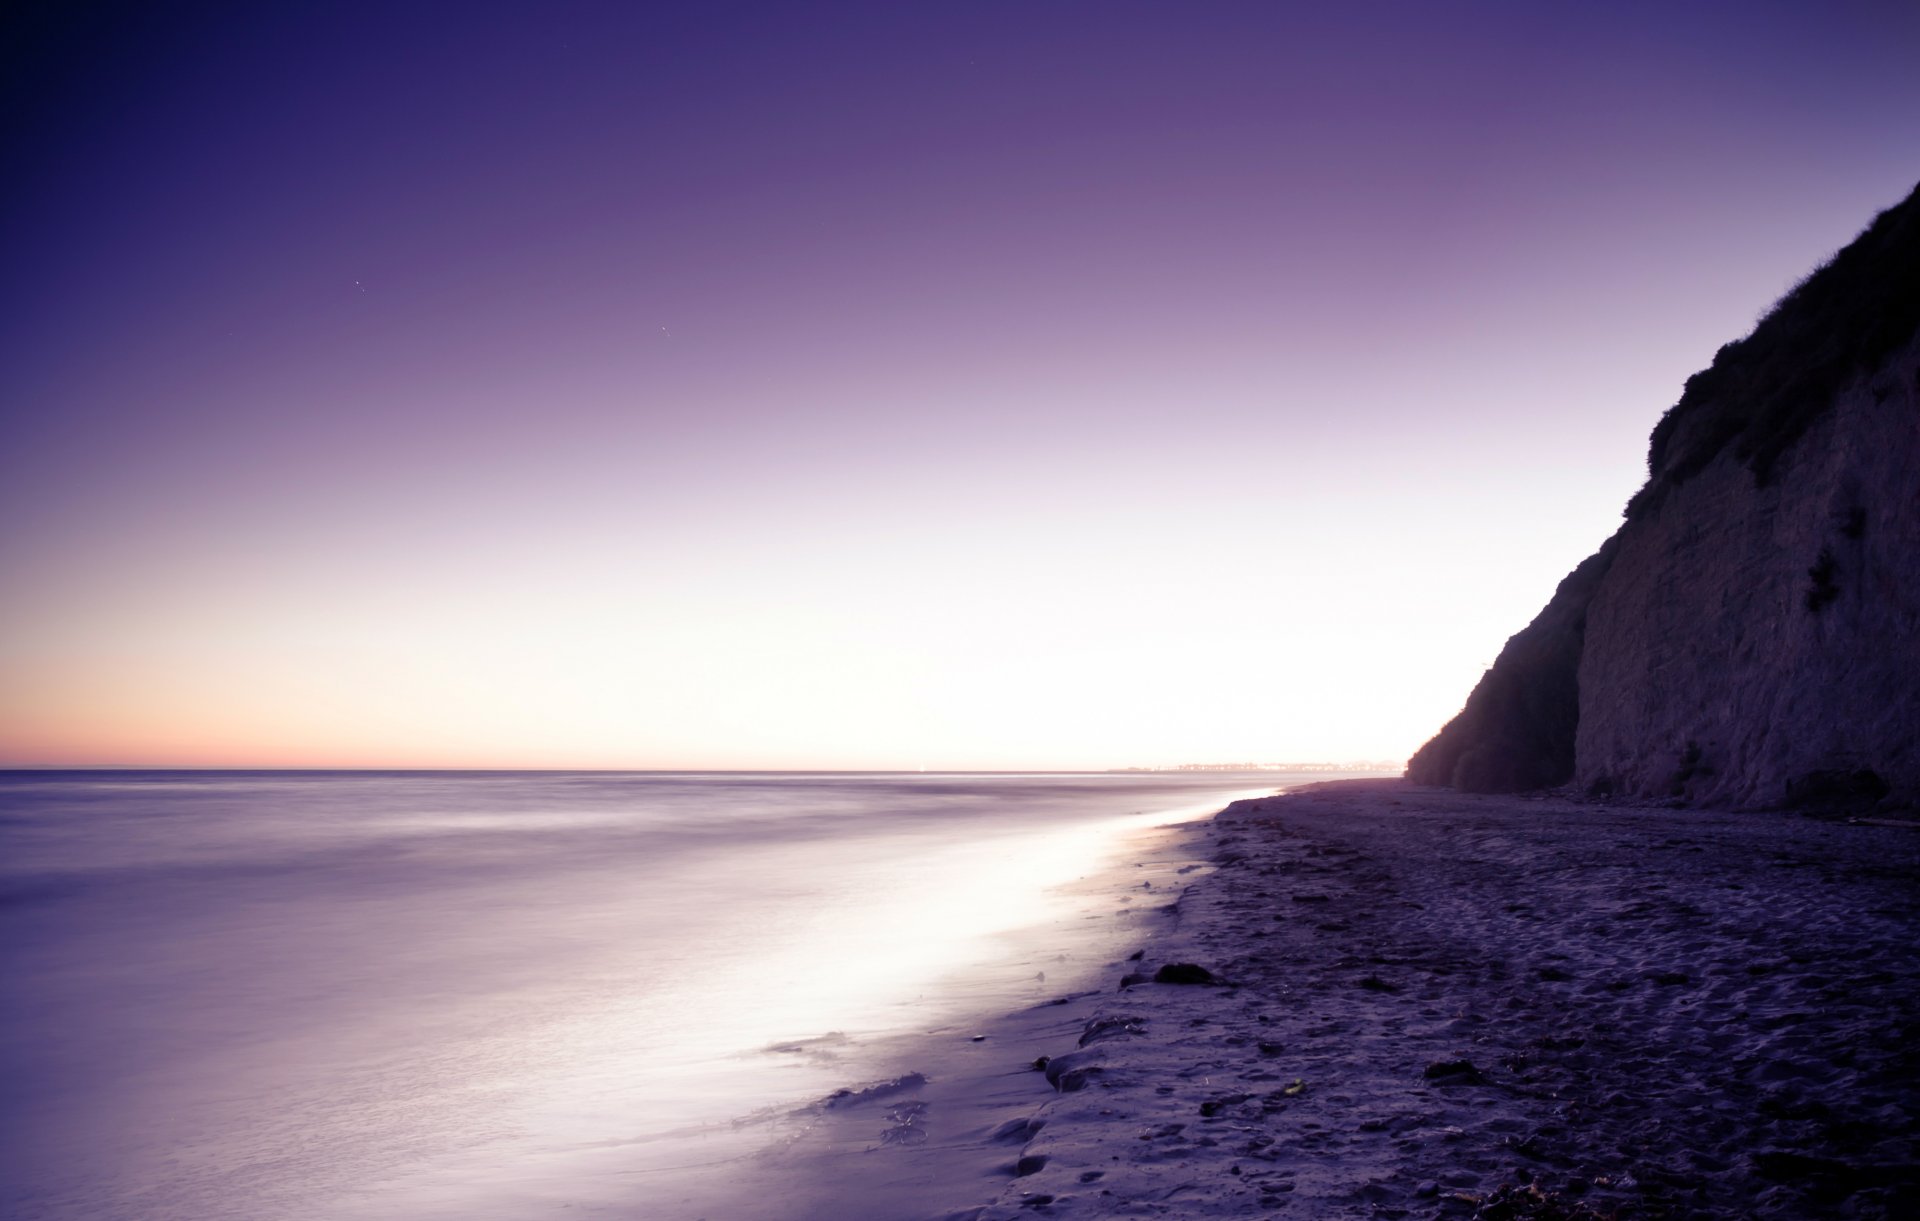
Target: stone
(1184, 973)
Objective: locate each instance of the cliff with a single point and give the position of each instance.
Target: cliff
(1517, 730)
(1751, 634)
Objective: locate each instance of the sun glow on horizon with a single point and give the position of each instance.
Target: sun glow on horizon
(724, 394)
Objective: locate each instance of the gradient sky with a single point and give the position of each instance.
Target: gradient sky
(929, 384)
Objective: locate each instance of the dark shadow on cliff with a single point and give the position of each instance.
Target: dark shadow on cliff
(1516, 732)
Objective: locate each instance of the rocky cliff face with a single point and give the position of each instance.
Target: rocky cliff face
(1754, 646)
(1751, 636)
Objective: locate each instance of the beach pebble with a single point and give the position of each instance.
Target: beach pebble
(1183, 973)
(1454, 1072)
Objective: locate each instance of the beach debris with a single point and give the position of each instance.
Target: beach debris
(1528, 1146)
(1454, 1072)
(845, 1096)
(904, 1124)
(979, 1038)
(1294, 1088)
(1184, 973)
(1533, 1203)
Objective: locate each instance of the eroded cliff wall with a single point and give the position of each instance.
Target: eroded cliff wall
(1761, 645)
(1751, 635)
(1517, 729)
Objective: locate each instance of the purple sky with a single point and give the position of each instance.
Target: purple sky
(945, 384)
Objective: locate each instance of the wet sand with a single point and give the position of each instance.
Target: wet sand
(1424, 1004)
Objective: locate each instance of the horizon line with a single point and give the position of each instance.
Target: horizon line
(1190, 770)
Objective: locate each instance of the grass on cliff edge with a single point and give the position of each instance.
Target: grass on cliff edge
(1762, 393)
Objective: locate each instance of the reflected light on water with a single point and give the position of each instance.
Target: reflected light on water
(275, 995)
(755, 1020)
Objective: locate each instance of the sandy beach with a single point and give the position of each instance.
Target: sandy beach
(1406, 1002)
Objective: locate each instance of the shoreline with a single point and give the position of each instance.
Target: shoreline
(914, 1128)
(936, 1131)
(1429, 1004)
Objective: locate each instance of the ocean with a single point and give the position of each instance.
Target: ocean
(274, 995)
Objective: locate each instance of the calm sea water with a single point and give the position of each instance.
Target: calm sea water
(297, 995)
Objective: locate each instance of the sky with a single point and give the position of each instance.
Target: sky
(947, 385)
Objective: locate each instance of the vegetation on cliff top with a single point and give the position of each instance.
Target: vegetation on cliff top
(1762, 392)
